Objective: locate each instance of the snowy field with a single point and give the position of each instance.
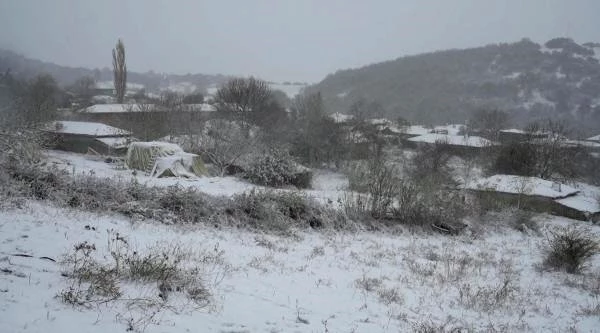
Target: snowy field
(487, 279)
(328, 186)
(332, 282)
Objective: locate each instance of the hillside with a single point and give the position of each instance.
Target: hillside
(25, 68)
(559, 79)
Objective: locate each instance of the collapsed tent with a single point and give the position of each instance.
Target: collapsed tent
(162, 159)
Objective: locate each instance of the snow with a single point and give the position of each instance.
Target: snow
(171, 148)
(594, 138)
(537, 98)
(111, 85)
(523, 185)
(183, 88)
(581, 203)
(342, 94)
(203, 107)
(559, 75)
(513, 130)
(111, 108)
(270, 282)
(379, 121)
(85, 128)
(451, 129)
(454, 140)
(121, 142)
(340, 117)
(103, 99)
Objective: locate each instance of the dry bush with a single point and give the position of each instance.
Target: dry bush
(280, 211)
(169, 270)
(570, 250)
(488, 299)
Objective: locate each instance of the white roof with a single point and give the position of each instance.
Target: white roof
(111, 108)
(379, 121)
(85, 128)
(594, 138)
(162, 146)
(203, 107)
(513, 130)
(340, 117)
(111, 85)
(452, 129)
(116, 142)
(523, 185)
(581, 203)
(454, 140)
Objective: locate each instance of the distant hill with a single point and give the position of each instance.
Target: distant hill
(559, 79)
(25, 68)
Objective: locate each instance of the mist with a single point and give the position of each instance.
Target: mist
(277, 40)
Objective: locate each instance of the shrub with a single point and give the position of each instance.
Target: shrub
(420, 206)
(187, 204)
(276, 168)
(570, 249)
(279, 211)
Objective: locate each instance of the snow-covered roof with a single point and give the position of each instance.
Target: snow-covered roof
(111, 108)
(523, 185)
(594, 138)
(451, 129)
(116, 142)
(379, 121)
(202, 107)
(415, 130)
(111, 85)
(162, 146)
(340, 117)
(454, 140)
(513, 130)
(85, 128)
(581, 203)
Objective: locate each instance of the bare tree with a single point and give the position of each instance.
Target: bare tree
(84, 89)
(243, 97)
(223, 143)
(119, 70)
(489, 122)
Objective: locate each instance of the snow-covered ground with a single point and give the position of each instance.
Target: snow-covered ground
(327, 186)
(315, 282)
(486, 279)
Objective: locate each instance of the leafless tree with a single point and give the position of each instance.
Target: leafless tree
(84, 89)
(119, 70)
(489, 122)
(242, 97)
(553, 156)
(223, 143)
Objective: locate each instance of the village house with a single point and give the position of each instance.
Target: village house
(535, 194)
(88, 137)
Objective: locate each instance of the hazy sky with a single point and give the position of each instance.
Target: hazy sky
(278, 39)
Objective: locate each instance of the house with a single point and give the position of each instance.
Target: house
(85, 137)
(456, 143)
(513, 135)
(142, 118)
(535, 194)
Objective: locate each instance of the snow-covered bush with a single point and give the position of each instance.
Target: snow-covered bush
(570, 249)
(282, 211)
(276, 168)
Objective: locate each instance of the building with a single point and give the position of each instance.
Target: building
(535, 194)
(88, 137)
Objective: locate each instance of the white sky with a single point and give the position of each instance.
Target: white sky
(278, 39)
